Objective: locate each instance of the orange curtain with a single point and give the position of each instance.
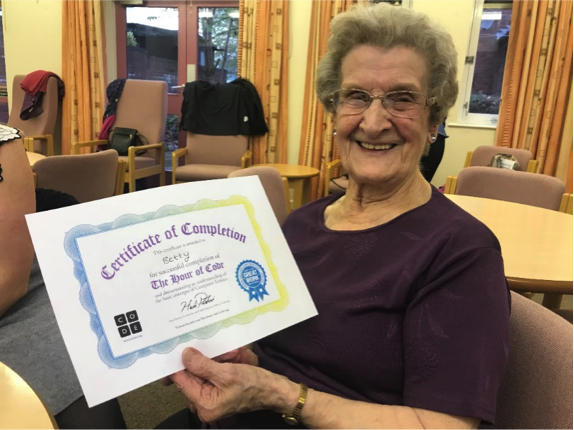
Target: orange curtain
(317, 147)
(263, 60)
(82, 71)
(537, 83)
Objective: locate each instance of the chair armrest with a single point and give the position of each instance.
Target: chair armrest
(533, 166)
(120, 177)
(246, 159)
(566, 203)
(287, 194)
(175, 156)
(48, 138)
(468, 158)
(159, 155)
(329, 170)
(77, 145)
(450, 186)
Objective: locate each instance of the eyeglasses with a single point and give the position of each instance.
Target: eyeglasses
(402, 104)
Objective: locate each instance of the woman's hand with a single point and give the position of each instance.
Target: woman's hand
(217, 390)
(242, 355)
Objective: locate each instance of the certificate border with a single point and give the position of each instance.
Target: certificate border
(87, 301)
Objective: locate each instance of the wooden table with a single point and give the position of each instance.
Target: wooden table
(298, 178)
(33, 157)
(20, 406)
(536, 244)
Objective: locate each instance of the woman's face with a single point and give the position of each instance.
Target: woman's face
(377, 148)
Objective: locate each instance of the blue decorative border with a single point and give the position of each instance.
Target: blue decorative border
(87, 300)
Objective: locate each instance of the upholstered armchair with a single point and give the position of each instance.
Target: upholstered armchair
(210, 157)
(512, 186)
(276, 188)
(142, 106)
(38, 132)
(87, 177)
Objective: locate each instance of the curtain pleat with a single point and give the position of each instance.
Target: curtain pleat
(537, 82)
(82, 73)
(263, 60)
(316, 148)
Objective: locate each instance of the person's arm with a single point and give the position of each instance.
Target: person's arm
(217, 390)
(16, 200)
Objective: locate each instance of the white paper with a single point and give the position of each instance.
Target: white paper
(135, 279)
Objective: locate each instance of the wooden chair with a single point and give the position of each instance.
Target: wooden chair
(566, 204)
(482, 155)
(38, 132)
(210, 157)
(509, 185)
(142, 106)
(276, 188)
(87, 177)
(331, 173)
(536, 390)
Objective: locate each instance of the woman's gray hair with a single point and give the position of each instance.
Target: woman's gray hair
(386, 26)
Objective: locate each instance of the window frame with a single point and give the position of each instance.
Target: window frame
(465, 117)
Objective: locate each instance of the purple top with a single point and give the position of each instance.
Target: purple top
(413, 312)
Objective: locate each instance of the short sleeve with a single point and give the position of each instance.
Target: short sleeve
(456, 336)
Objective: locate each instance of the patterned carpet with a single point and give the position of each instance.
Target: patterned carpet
(148, 406)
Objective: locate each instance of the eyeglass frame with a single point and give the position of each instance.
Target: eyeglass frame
(429, 101)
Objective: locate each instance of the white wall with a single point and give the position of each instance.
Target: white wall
(456, 17)
(32, 37)
(299, 21)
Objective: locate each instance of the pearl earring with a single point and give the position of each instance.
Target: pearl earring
(334, 132)
(433, 138)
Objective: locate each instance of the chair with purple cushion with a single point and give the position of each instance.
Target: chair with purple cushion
(512, 186)
(275, 186)
(142, 106)
(210, 157)
(536, 390)
(482, 155)
(86, 177)
(38, 132)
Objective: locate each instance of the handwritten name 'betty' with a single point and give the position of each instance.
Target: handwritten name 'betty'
(177, 278)
(134, 249)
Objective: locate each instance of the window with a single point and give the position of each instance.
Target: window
(485, 62)
(403, 3)
(218, 28)
(3, 84)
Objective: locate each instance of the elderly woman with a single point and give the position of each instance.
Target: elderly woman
(413, 321)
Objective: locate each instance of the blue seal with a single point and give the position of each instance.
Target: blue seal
(252, 279)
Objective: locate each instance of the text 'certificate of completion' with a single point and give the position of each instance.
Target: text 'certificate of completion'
(135, 279)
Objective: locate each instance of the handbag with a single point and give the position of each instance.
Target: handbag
(122, 138)
(504, 161)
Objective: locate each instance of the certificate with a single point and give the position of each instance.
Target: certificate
(135, 279)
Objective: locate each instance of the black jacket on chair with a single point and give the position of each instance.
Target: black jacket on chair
(222, 109)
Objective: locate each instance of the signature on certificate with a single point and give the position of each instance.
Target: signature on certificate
(200, 299)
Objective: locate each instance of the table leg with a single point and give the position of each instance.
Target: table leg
(297, 185)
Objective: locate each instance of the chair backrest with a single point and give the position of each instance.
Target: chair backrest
(87, 177)
(503, 184)
(219, 150)
(273, 186)
(482, 155)
(143, 106)
(45, 122)
(536, 390)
